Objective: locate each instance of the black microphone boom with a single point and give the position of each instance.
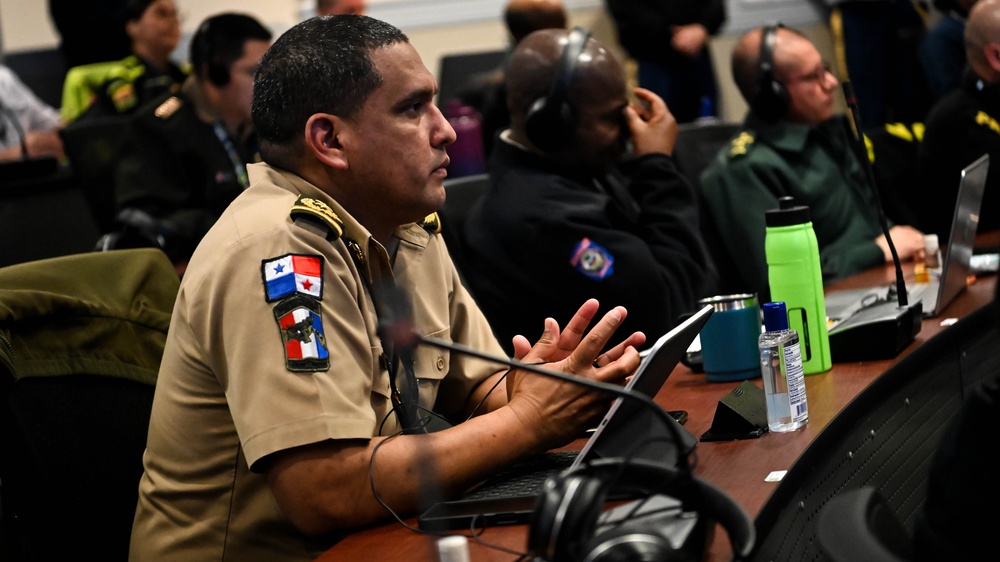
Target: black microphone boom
(882, 330)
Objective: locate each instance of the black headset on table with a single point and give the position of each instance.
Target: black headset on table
(770, 99)
(550, 121)
(564, 527)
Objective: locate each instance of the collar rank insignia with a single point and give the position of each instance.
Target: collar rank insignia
(166, 109)
(316, 208)
(432, 223)
(592, 260)
(740, 144)
(301, 327)
(292, 274)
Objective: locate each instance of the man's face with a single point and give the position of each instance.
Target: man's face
(395, 144)
(238, 92)
(159, 28)
(601, 134)
(810, 85)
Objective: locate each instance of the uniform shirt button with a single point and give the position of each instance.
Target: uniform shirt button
(440, 363)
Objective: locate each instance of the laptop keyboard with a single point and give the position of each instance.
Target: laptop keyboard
(525, 478)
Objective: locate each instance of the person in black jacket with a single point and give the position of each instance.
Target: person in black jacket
(961, 127)
(669, 40)
(184, 157)
(568, 216)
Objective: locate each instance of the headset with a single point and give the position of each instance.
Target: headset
(567, 511)
(205, 44)
(770, 99)
(550, 120)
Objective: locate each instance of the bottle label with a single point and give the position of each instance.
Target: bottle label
(795, 379)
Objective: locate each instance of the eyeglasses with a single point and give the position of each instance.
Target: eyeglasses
(818, 75)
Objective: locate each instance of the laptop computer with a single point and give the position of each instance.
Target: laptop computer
(628, 430)
(842, 306)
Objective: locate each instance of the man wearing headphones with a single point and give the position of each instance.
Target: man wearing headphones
(184, 158)
(292, 400)
(792, 144)
(569, 215)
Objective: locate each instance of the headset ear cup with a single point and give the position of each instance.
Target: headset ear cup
(719, 506)
(623, 544)
(771, 102)
(548, 125)
(566, 514)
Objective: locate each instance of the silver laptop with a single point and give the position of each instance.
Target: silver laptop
(940, 291)
(628, 430)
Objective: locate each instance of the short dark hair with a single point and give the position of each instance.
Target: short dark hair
(135, 8)
(320, 65)
(218, 43)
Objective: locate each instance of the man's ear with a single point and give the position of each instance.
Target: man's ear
(323, 139)
(992, 53)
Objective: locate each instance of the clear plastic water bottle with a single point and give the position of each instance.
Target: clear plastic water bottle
(781, 369)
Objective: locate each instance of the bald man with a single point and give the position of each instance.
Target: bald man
(340, 7)
(791, 143)
(490, 97)
(569, 214)
(963, 126)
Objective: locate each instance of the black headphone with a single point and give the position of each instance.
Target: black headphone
(217, 73)
(550, 121)
(770, 99)
(564, 527)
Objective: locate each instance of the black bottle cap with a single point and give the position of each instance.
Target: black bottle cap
(787, 213)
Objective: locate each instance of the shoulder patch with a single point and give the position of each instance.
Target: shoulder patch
(592, 260)
(316, 208)
(301, 326)
(170, 106)
(741, 144)
(432, 223)
(292, 274)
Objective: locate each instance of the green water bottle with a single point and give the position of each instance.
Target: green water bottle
(795, 277)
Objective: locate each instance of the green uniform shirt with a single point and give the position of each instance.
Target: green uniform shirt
(817, 167)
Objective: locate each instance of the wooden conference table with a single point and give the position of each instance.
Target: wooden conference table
(737, 467)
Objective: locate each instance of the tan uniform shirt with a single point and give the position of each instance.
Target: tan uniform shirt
(236, 384)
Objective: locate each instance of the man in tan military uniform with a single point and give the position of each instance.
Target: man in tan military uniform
(275, 390)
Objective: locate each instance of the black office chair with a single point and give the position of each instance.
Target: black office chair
(696, 147)
(883, 440)
(462, 193)
(80, 344)
(860, 525)
(462, 74)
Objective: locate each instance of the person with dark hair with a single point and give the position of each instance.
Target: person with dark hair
(340, 7)
(290, 404)
(669, 39)
(90, 30)
(791, 143)
(184, 157)
(961, 127)
(120, 87)
(568, 205)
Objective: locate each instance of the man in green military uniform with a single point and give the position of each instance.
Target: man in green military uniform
(184, 158)
(791, 144)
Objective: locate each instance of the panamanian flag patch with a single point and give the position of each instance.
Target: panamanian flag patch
(292, 274)
(301, 326)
